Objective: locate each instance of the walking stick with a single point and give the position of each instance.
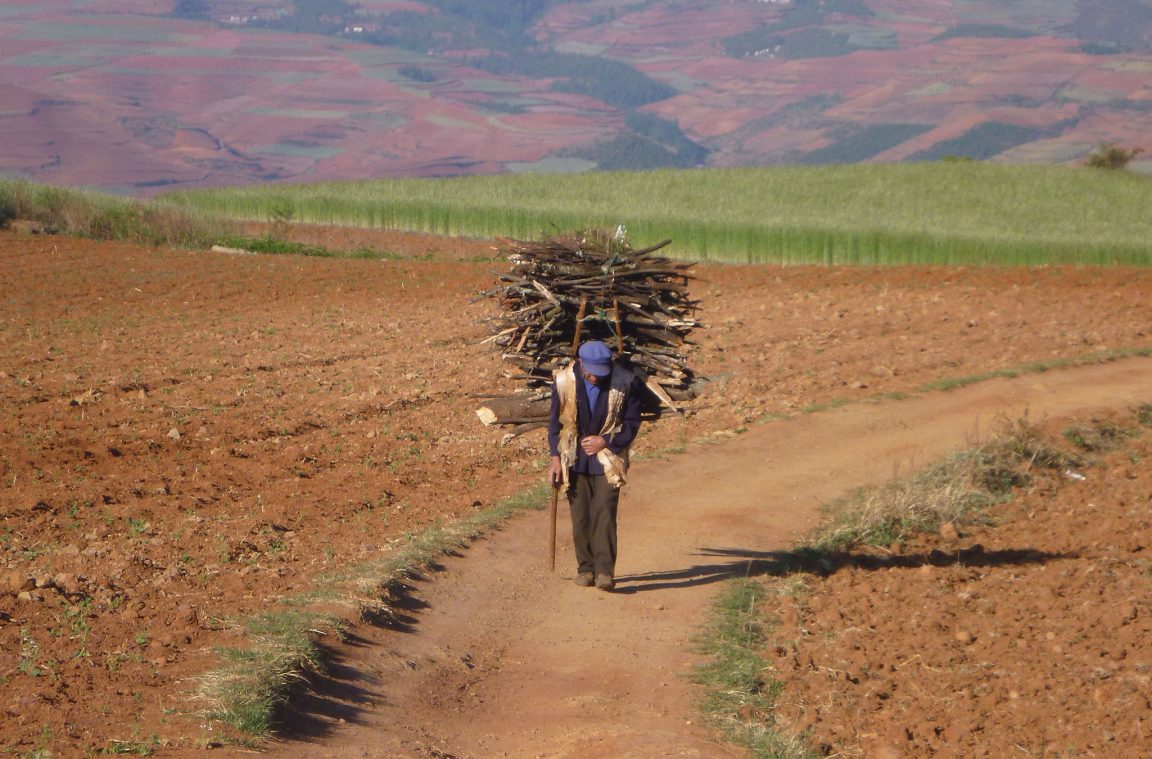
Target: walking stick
(552, 531)
(556, 485)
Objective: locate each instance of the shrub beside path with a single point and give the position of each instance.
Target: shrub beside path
(493, 656)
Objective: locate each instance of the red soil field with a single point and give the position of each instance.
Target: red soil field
(189, 437)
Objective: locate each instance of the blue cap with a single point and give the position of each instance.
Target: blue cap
(595, 358)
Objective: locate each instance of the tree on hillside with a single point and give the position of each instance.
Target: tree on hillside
(613, 82)
(496, 25)
(649, 142)
(1109, 155)
(496, 14)
(316, 17)
(192, 9)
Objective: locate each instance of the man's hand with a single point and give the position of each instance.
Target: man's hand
(555, 473)
(593, 444)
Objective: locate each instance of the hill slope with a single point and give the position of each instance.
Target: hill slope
(130, 95)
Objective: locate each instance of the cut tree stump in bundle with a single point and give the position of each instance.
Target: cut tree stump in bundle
(565, 290)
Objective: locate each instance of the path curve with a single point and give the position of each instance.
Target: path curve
(498, 658)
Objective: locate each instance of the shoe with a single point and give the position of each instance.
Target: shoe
(584, 579)
(605, 582)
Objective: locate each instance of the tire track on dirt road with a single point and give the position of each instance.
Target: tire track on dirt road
(495, 657)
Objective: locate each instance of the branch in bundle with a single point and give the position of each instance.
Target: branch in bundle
(514, 409)
(564, 290)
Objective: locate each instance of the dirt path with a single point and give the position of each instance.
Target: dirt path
(496, 658)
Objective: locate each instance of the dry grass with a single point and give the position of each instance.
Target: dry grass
(100, 216)
(958, 489)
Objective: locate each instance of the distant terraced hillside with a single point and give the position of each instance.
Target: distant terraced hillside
(140, 95)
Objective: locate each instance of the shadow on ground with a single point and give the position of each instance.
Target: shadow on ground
(340, 692)
(748, 563)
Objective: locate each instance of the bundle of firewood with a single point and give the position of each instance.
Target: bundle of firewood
(565, 290)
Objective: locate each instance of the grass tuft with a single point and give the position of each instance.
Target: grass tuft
(1099, 435)
(958, 489)
(1143, 414)
(276, 246)
(128, 748)
(740, 694)
(255, 682)
(252, 686)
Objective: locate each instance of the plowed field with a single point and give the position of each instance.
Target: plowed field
(186, 437)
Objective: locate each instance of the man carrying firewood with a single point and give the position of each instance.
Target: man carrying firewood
(594, 418)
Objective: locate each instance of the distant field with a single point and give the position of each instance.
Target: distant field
(934, 213)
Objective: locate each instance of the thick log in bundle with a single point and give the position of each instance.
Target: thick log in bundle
(591, 286)
(514, 409)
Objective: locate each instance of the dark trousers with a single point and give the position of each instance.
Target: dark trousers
(593, 504)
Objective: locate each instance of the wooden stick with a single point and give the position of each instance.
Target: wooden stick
(579, 326)
(552, 529)
(619, 331)
(520, 429)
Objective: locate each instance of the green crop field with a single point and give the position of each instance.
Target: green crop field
(931, 213)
